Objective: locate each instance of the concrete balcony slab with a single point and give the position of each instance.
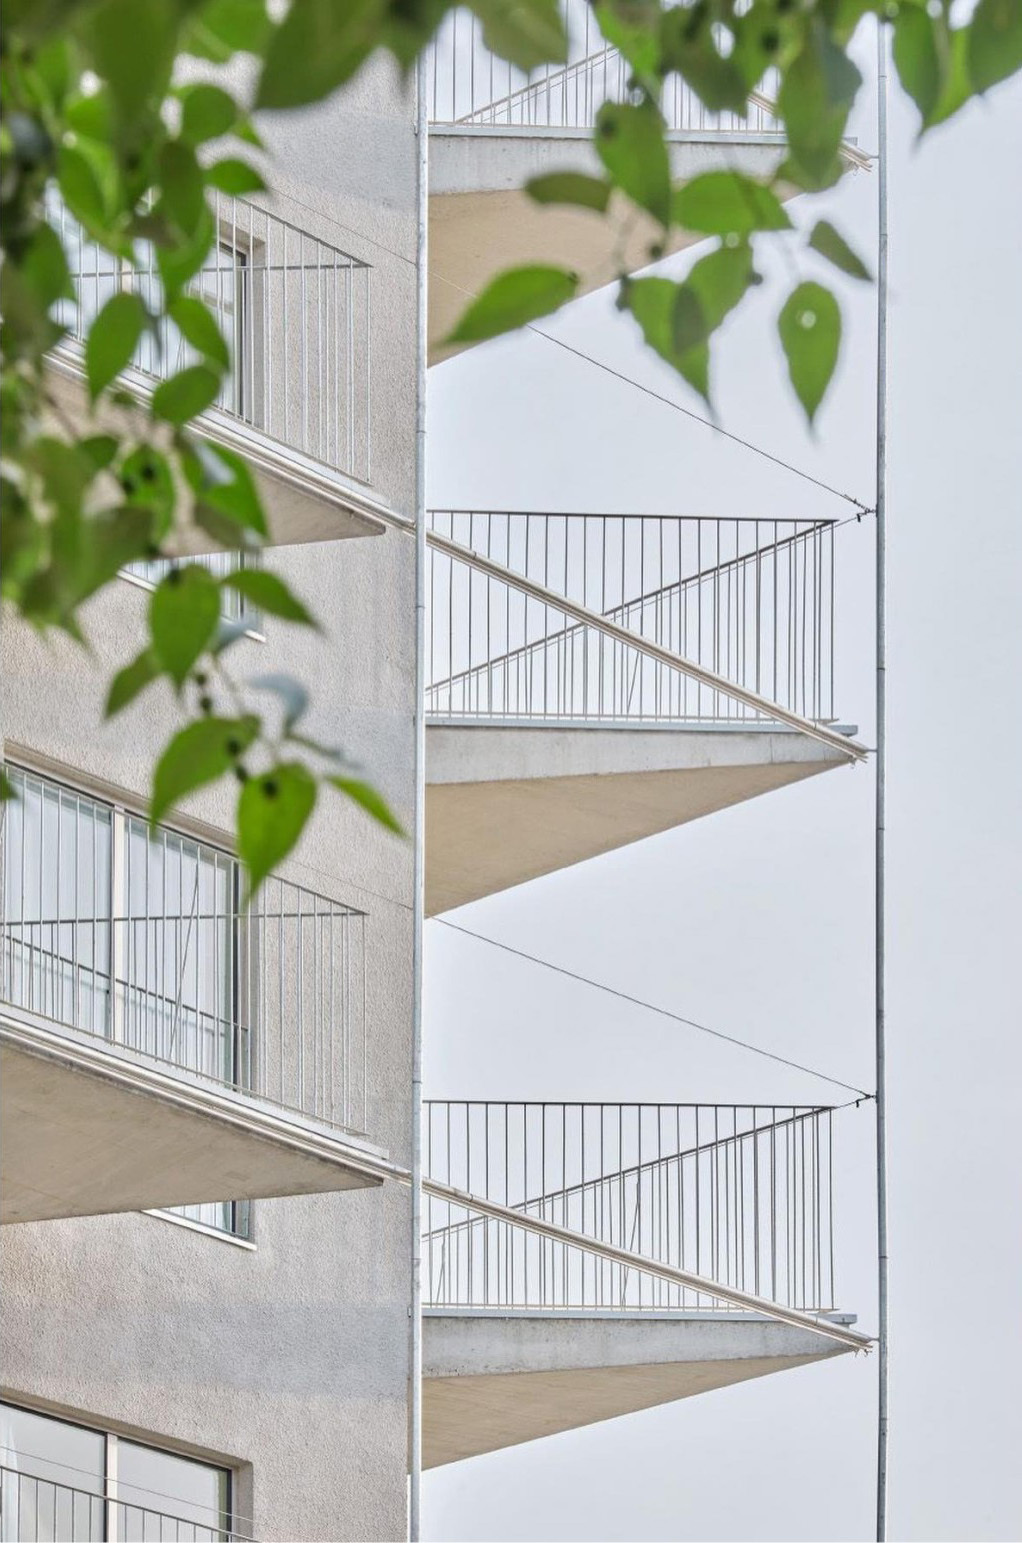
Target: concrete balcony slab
(304, 499)
(85, 1131)
(480, 220)
(494, 1378)
(509, 803)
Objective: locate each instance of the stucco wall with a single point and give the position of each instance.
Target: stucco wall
(291, 1357)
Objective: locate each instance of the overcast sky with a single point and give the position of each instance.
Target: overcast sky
(758, 920)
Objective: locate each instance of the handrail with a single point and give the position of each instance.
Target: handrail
(850, 1338)
(849, 748)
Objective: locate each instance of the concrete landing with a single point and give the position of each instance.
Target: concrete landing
(84, 1132)
(480, 220)
(494, 1379)
(508, 804)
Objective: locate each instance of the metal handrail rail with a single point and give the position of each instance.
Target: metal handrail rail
(852, 1339)
(849, 748)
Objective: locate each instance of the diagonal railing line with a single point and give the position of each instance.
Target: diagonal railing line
(671, 1274)
(663, 1160)
(665, 594)
(849, 748)
(556, 78)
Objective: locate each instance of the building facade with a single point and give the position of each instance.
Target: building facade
(208, 1111)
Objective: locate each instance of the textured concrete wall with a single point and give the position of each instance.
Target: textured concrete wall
(290, 1357)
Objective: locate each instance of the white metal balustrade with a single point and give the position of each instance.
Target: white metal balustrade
(140, 940)
(468, 85)
(296, 313)
(736, 1194)
(38, 1510)
(751, 601)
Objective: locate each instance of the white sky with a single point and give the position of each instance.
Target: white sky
(758, 920)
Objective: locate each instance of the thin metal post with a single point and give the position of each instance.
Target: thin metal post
(418, 895)
(881, 789)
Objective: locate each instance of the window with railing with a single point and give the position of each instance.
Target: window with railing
(296, 313)
(234, 607)
(139, 938)
(63, 1482)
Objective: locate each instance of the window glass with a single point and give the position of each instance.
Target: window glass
(56, 936)
(66, 1483)
(189, 1490)
(53, 1479)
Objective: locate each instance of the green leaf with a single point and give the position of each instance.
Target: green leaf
(957, 86)
(512, 299)
(183, 616)
(830, 243)
(234, 177)
(316, 48)
(688, 46)
(105, 544)
(7, 791)
(224, 27)
(198, 326)
(113, 338)
(178, 264)
(916, 57)
(810, 330)
(570, 187)
(525, 32)
(816, 95)
(44, 267)
(134, 677)
(207, 112)
(148, 483)
(100, 448)
(633, 29)
(269, 594)
(272, 813)
(184, 194)
(630, 143)
(719, 281)
(222, 480)
(292, 693)
(995, 42)
(186, 394)
(132, 48)
(367, 797)
(80, 189)
(721, 203)
(199, 754)
(664, 322)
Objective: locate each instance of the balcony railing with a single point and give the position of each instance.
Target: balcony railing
(35, 1510)
(751, 601)
(469, 85)
(139, 940)
(296, 313)
(737, 1194)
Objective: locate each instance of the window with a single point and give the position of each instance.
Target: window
(62, 1482)
(233, 606)
(128, 934)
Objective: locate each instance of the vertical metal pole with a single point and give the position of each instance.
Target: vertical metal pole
(418, 897)
(881, 790)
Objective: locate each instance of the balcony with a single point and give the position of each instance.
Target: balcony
(604, 1258)
(493, 128)
(596, 679)
(162, 1045)
(297, 316)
